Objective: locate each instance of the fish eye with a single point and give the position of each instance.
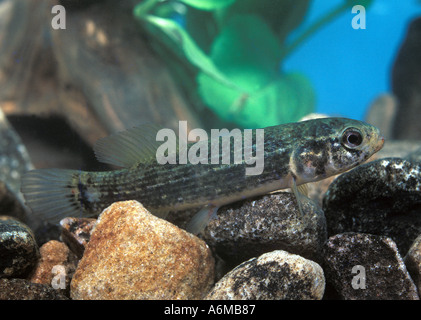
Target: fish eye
(352, 138)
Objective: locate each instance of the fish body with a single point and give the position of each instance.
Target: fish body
(294, 153)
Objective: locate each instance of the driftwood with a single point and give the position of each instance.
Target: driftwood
(99, 73)
(406, 84)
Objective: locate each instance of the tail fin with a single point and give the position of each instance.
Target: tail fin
(52, 193)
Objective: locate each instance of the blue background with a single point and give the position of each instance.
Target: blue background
(350, 68)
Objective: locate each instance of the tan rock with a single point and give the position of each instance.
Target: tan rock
(134, 255)
(57, 264)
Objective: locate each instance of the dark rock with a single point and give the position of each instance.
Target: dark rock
(14, 161)
(381, 197)
(273, 222)
(406, 84)
(18, 248)
(52, 143)
(365, 267)
(413, 262)
(272, 276)
(20, 289)
(76, 233)
(46, 231)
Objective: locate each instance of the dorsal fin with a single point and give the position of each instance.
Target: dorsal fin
(129, 147)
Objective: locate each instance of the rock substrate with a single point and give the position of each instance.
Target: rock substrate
(18, 249)
(135, 255)
(272, 276)
(382, 197)
(272, 222)
(367, 267)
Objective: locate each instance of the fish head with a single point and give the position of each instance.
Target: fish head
(355, 143)
(334, 145)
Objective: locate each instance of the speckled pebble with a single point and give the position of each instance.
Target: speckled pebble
(18, 249)
(21, 289)
(272, 276)
(271, 222)
(382, 197)
(75, 232)
(366, 267)
(413, 262)
(56, 264)
(134, 255)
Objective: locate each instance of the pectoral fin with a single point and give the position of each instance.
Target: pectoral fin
(303, 189)
(298, 195)
(201, 219)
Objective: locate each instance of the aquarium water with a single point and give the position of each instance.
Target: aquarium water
(350, 67)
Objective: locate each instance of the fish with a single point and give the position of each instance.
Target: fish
(294, 154)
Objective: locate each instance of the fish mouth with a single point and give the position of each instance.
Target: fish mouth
(379, 144)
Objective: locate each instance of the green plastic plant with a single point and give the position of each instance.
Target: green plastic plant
(237, 48)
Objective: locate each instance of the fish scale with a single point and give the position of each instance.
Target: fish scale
(294, 153)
